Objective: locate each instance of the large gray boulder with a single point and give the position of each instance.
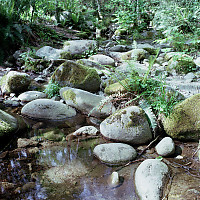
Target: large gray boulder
(103, 59)
(78, 48)
(127, 125)
(8, 124)
(86, 102)
(78, 76)
(15, 82)
(47, 109)
(48, 53)
(150, 179)
(115, 153)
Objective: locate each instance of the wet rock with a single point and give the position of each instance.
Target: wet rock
(33, 150)
(103, 59)
(29, 186)
(67, 172)
(24, 142)
(49, 53)
(115, 153)
(86, 130)
(183, 122)
(113, 180)
(8, 124)
(31, 95)
(150, 179)
(165, 147)
(47, 109)
(127, 125)
(15, 82)
(78, 76)
(78, 48)
(86, 102)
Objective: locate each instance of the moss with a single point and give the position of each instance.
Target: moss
(5, 128)
(76, 75)
(185, 66)
(184, 121)
(115, 88)
(83, 35)
(69, 95)
(66, 55)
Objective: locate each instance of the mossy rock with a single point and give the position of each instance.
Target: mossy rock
(8, 124)
(66, 55)
(184, 122)
(116, 88)
(15, 82)
(120, 32)
(185, 66)
(83, 35)
(54, 136)
(78, 76)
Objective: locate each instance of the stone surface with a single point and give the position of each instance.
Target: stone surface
(115, 153)
(90, 63)
(127, 125)
(184, 121)
(147, 47)
(86, 102)
(115, 88)
(31, 95)
(139, 54)
(103, 59)
(120, 48)
(165, 147)
(8, 123)
(15, 82)
(54, 136)
(76, 75)
(86, 130)
(113, 180)
(150, 179)
(24, 142)
(49, 53)
(77, 48)
(47, 109)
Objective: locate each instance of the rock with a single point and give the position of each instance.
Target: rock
(116, 88)
(139, 54)
(113, 180)
(78, 48)
(115, 153)
(165, 147)
(8, 124)
(6, 186)
(102, 59)
(24, 142)
(120, 32)
(189, 77)
(120, 48)
(31, 95)
(150, 179)
(90, 63)
(48, 53)
(47, 109)
(29, 186)
(86, 102)
(54, 136)
(76, 75)
(127, 125)
(15, 82)
(11, 103)
(86, 130)
(197, 61)
(147, 47)
(183, 122)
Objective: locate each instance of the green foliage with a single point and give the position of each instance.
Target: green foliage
(52, 89)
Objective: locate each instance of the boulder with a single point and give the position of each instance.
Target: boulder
(184, 121)
(90, 63)
(86, 102)
(147, 47)
(78, 76)
(8, 123)
(116, 88)
(86, 130)
(15, 82)
(31, 95)
(103, 59)
(48, 53)
(120, 48)
(47, 109)
(139, 54)
(127, 125)
(115, 153)
(165, 147)
(78, 48)
(150, 179)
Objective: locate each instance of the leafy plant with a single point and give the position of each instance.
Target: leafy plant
(52, 89)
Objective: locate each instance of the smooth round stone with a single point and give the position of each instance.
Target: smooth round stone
(115, 153)
(165, 147)
(47, 109)
(31, 95)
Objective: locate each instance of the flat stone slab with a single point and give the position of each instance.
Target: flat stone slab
(47, 109)
(115, 153)
(31, 95)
